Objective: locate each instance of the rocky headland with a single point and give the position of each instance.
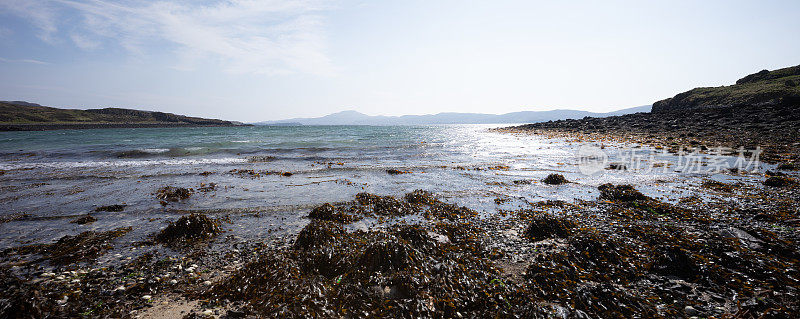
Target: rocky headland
(760, 110)
(24, 116)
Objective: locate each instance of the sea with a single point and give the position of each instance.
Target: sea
(51, 177)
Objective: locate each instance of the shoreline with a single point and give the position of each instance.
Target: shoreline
(772, 127)
(89, 126)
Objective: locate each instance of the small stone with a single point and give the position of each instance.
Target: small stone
(147, 297)
(207, 283)
(691, 311)
(173, 281)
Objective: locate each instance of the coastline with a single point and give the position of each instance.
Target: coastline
(771, 127)
(88, 126)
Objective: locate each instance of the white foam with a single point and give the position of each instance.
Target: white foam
(155, 150)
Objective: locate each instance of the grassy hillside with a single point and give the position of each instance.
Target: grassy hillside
(759, 88)
(29, 113)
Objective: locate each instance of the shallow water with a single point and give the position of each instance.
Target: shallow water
(67, 173)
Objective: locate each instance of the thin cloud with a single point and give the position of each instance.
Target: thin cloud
(32, 61)
(240, 36)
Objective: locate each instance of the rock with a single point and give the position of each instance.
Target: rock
(743, 237)
(690, 311)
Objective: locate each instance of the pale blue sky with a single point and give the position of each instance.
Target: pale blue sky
(275, 59)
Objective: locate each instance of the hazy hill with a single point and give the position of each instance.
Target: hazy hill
(356, 118)
(19, 115)
(764, 87)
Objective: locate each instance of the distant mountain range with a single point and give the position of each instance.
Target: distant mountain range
(26, 116)
(357, 118)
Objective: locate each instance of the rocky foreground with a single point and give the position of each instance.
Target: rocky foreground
(622, 255)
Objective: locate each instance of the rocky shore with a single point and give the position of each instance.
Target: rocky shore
(622, 255)
(762, 110)
(773, 128)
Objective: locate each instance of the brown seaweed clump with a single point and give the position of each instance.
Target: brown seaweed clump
(333, 273)
(173, 194)
(84, 247)
(546, 227)
(420, 197)
(83, 220)
(332, 213)
(555, 179)
(384, 205)
(111, 208)
(621, 193)
(189, 229)
(717, 186)
(636, 205)
(779, 181)
(393, 171)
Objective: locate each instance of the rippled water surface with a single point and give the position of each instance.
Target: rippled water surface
(71, 172)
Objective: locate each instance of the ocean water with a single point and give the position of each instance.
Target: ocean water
(54, 175)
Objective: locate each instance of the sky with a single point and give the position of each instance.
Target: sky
(250, 61)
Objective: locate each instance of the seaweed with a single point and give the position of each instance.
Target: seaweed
(555, 179)
(83, 220)
(384, 205)
(717, 186)
(84, 247)
(173, 194)
(188, 229)
(111, 208)
(393, 171)
(546, 227)
(621, 193)
(332, 213)
(779, 181)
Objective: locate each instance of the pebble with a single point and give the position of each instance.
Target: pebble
(61, 277)
(691, 311)
(147, 297)
(208, 312)
(207, 283)
(173, 281)
(120, 288)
